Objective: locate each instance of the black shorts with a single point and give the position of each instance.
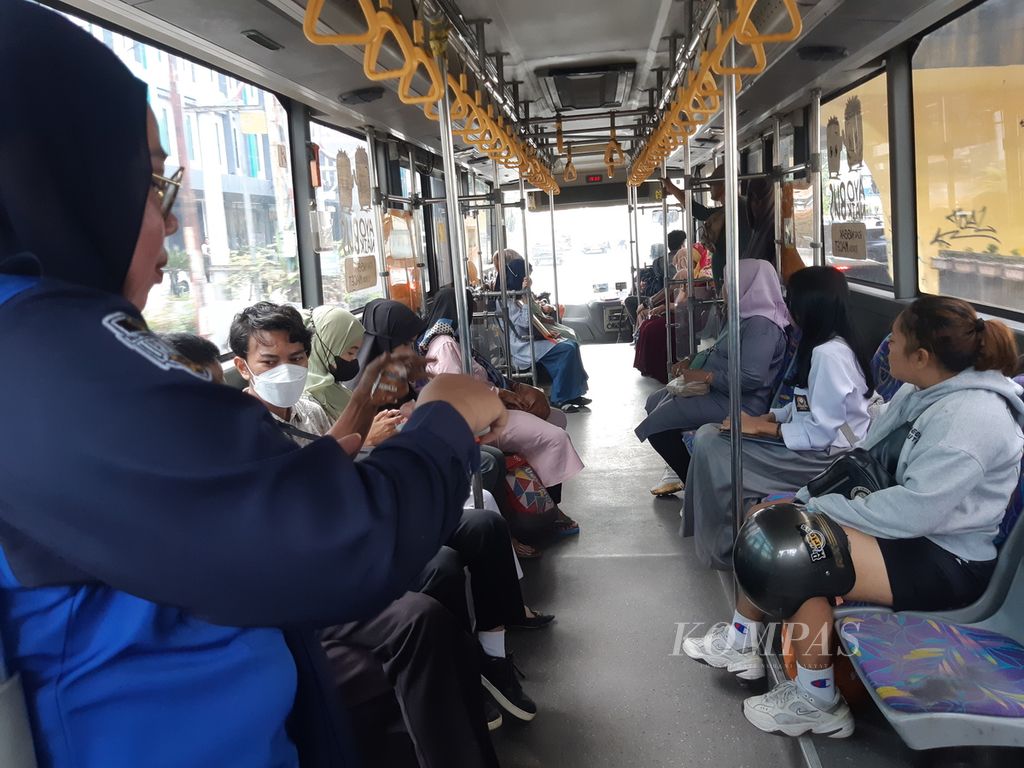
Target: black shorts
(925, 577)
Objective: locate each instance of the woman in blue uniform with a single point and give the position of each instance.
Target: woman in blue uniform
(165, 553)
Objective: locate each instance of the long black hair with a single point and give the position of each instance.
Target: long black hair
(819, 302)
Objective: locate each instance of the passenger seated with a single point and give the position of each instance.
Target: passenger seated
(559, 357)
(828, 415)
(198, 350)
(763, 323)
(546, 447)
(649, 281)
(267, 338)
(337, 337)
(925, 544)
(649, 358)
(333, 359)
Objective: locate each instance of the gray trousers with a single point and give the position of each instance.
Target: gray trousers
(767, 469)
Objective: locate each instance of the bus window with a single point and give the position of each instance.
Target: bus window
(856, 214)
(348, 252)
(969, 136)
(236, 243)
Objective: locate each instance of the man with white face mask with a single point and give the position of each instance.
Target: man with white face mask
(271, 346)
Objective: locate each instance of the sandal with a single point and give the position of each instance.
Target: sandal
(566, 526)
(525, 551)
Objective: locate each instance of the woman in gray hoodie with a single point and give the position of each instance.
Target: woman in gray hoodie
(928, 542)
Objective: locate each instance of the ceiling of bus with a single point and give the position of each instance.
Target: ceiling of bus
(535, 35)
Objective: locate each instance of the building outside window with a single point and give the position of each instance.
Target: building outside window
(969, 140)
(236, 241)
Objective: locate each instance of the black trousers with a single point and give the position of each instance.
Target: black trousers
(670, 446)
(484, 547)
(433, 666)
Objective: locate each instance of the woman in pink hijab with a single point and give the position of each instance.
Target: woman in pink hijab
(763, 322)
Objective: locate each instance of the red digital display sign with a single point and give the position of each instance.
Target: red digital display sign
(595, 178)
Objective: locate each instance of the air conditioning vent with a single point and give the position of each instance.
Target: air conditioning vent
(594, 87)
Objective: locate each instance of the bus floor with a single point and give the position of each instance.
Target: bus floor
(611, 686)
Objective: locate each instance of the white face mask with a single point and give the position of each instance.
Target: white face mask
(282, 385)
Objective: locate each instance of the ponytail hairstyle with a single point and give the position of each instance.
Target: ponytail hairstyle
(951, 330)
(819, 302)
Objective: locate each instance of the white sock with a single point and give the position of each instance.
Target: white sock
(493, 642)
(743, 633)
(819, 683)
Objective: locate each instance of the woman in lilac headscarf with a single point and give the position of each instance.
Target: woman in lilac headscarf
(763, 322)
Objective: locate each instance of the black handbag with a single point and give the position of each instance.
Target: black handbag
(861, 472)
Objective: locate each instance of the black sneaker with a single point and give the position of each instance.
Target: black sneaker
(501, 679)
(492, 713)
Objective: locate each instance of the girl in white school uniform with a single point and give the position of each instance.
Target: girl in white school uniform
(787, 446)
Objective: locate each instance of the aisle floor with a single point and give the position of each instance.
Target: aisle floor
(609, 689)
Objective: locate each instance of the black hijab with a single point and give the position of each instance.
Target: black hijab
(446, 308)
(74, 157)
(388, 324)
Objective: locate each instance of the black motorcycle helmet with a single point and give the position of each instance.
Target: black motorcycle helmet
(785, 555)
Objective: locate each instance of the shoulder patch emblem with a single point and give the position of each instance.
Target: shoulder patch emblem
(134, 334)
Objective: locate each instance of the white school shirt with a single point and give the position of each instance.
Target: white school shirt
(832, 408)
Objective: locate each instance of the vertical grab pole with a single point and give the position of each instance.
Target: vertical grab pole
(417, 248)
(554, 251)
(732, 272)
(691, 241)
(502, 277)
(817, 236)
(377, 201)
(528, 291)
(777, 177)
(632, 235)
(664, 266)
(457, 233)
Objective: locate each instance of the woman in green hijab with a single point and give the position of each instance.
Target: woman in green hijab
(337, 337)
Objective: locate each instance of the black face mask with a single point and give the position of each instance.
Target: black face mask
(345, 370)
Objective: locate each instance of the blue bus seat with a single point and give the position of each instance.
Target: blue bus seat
(943, 684)
(885, 385)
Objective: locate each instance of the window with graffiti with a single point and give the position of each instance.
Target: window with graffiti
(857, 223)
(969, 137)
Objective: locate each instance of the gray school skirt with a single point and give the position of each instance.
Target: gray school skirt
(767, 469)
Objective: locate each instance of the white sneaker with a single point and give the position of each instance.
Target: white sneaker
(714, 650)
(789, 709)
(670, 484)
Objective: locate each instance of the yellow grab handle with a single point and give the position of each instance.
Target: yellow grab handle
(569, 172)
(419, 59)
(387, 22)
(313, 10)
(760, 60)
(748, 34)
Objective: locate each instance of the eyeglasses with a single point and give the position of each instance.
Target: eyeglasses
(167, 189)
